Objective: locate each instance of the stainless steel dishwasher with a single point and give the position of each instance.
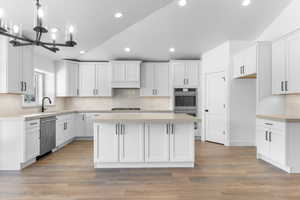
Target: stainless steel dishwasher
(47, 135)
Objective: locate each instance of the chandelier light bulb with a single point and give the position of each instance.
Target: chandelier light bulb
(1, 13)
(40, 13)
(53, 36)
(182, 3)
(16, 29)
(71, 29)
(246, 3)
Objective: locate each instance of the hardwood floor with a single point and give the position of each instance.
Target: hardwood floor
(221, 173)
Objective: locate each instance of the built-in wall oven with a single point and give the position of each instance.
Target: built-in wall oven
(186, 101)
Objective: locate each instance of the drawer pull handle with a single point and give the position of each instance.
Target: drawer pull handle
(269, 124)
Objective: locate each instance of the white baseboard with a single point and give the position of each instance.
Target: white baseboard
(278, 165)
(84, 138)
(241, 144)
(144, 165)
(30, 162)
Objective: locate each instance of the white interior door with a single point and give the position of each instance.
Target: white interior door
(215, 118)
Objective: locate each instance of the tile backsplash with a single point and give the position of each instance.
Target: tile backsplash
(124, 98)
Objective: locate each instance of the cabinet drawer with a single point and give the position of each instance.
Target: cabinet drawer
(270, 124)
(33, 124)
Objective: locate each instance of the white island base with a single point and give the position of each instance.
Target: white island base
(144, 141)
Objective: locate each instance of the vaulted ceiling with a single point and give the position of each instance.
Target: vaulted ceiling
(149, 27)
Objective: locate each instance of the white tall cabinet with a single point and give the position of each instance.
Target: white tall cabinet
(16, 68)
(95, 79)
(155, 79)
(285, 65)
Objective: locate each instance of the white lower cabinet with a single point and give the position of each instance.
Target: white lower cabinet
(277, 143)
(32, 140)
(64, 129)
(145, 144)
(157, 142)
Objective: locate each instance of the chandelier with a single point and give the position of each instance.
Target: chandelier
(14, 32)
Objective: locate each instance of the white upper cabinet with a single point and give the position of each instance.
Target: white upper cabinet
(185, 73)
(245, 62)
(278, 67)
(67, 79)
(16, 68)
(125, 74)
(155, 79)
(285, 65)
(94, 79)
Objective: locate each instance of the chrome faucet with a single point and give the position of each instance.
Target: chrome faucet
(43, 103)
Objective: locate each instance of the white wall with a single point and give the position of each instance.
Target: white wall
(288, 21)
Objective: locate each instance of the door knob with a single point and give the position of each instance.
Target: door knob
(206, 110)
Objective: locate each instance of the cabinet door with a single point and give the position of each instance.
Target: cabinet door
(277, 146)
(14, 70)
(132, 143)
(103, 80)
(178, 74)
(132, 72)
(250, 57)
(238, 63)
(147, 79)
(60, 132)
(80, 125)
(278, 67)
(89, 131)
(106, 143)
(293, 67)
(32, 143)
(27, 69)
(182, 142)
(157, 143)
(118, 72)
(87, 80)
(161, 79)
(262, 142)
(73, 82)
(192, 74)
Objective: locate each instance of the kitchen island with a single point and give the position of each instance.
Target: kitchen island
(144, 140)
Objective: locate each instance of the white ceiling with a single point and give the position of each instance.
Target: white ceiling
(150, 27)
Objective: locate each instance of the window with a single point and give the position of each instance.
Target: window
(43, 85)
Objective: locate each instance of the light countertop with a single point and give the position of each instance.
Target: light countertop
(156, 117)
(64, 112)
(284, 117)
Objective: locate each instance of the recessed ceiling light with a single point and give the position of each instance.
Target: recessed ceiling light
(82, 52)
(172, 49)
(246, 3)
(118, 15)
(182, 3)
(127, 49)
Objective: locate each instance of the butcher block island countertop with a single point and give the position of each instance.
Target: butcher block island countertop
(144, 140)
(138, 117)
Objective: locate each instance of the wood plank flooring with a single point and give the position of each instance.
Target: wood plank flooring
(229, 173)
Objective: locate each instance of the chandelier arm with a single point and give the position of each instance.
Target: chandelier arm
(23, 44)
(17, 37)
(56, 44)
(48, 48)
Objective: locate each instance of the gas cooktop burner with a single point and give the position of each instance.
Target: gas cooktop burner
(126, 109)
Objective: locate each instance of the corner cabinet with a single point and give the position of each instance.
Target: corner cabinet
(155, 79)
(95, 80)
(125, 74)
(277, 143)
(285, 65)
(67, 79)
(16, 68)
(138, 145)
(185, 73)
